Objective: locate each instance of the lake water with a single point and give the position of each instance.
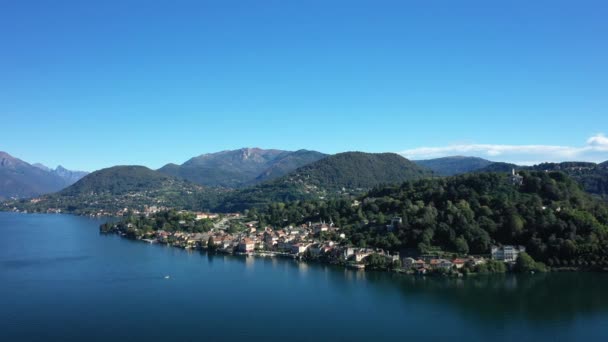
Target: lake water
(61, 280)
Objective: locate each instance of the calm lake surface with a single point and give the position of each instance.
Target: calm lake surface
(61, 280)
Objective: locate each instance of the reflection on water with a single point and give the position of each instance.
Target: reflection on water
(547, 297)
(249, 262)
(539, 297)
(56, 269)
(302, 267)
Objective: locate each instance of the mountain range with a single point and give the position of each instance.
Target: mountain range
(250, 177)
(242, 167)
(19, 179)
(342, 174)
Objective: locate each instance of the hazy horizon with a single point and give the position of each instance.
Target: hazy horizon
(521, 163)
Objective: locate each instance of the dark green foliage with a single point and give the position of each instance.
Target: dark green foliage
(525, 264)
(354, 170)
(449, 166)
(119, 187)
(377, 262)
(262, 195)
(211, 245)
(169, 221)
(340, 175)
(492, 266)
(549, 214)
(118, 180)
(499, 167)
(592, 177)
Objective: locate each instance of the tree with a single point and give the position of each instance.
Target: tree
(211, 244)
(461, 245)
(377, 261)
(491, 266)
(525, 263)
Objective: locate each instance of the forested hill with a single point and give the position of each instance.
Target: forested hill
(454, 165)
(110, 190)
(119, 180)
(338, 175)
(592, 177)
(354, 170)
(500, 167)
(287, 163)
(549, 214)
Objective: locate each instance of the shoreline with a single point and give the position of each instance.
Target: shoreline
(346, 265)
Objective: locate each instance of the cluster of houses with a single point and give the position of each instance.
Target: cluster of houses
(295, 241)
(507, 254)
(305, 241)
(202, 216)
(426, 264)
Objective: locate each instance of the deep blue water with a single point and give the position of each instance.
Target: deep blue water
(61, 280)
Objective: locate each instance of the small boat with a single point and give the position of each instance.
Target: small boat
(167, 277)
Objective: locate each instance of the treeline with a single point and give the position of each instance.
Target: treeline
(548, 213)
(92, 203)
(169, 221)
(592, 177)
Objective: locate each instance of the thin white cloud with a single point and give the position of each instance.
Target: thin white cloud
(598, 142)
(595, 150)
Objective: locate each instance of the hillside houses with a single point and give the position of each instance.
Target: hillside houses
(318, 241)
(205, 216)
(246, 245)
(427, 264)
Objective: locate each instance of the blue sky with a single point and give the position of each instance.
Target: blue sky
(92, 84)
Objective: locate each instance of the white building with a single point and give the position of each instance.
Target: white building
(515, 178)
(507, 253)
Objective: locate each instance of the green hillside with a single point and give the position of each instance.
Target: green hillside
(549, 214)
(343, 174)
(112, 189)
(449, 166)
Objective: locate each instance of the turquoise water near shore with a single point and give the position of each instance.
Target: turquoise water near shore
(62, 280)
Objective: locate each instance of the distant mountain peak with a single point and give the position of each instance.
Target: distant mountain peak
(42, 167)
(19, 179)
(6, 160)
(237, 168)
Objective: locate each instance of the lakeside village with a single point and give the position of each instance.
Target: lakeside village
(320, 241)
